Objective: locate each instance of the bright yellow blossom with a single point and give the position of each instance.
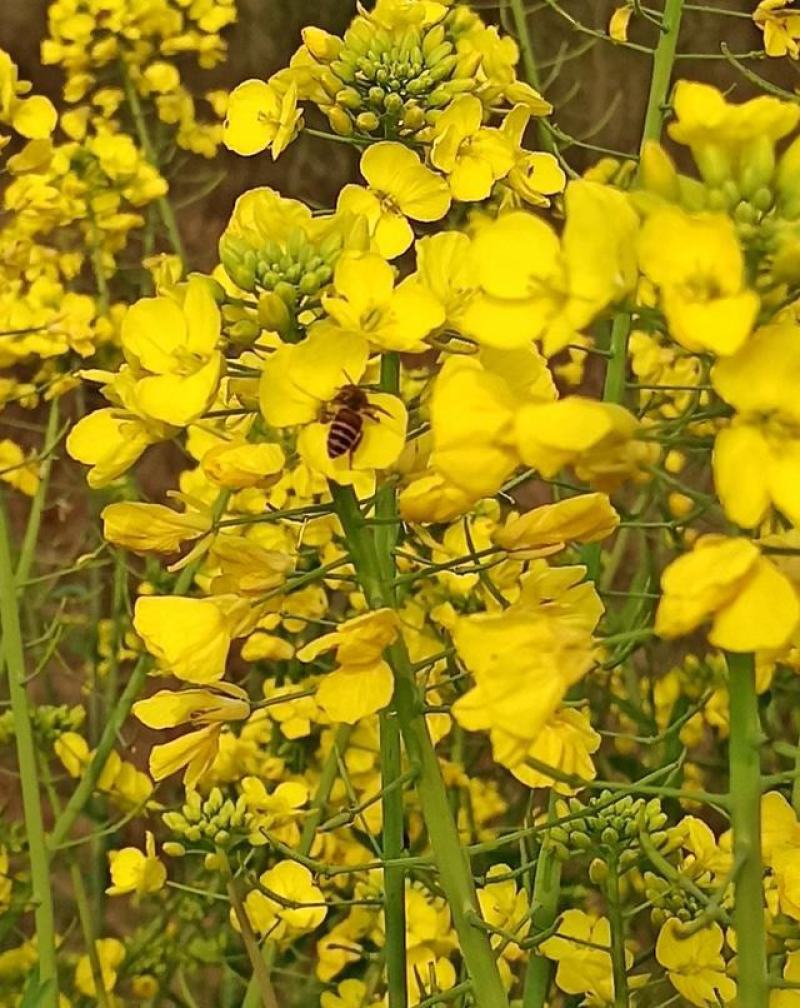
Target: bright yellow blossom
(362, 683)
(780, 24)
(698, 265)
(152, 527)
(751, 605)
(544, 530)
(134, 871)
(694, 963)
(473, 156)
(292, 905)
(172, 342)
(110, 954)
(399, 187)
(579, 948)
(189, 637)
(757, 458)
(365, 302)
(299, 385)
(261, 114)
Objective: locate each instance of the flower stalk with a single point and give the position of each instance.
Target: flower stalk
(375, 575)
(14, 660)
(746, 738)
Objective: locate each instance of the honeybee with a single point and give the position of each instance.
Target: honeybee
(347, 412)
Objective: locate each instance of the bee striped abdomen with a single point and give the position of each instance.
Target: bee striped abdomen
(345, 432)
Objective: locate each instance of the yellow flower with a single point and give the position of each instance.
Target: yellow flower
(757, 458)
(694, 963)
(34, 117)
(110, 953)
(210, 708)
(583, 518)
(752, 606)
(789, 998)
(237, 464)
(274, 813)
(523, 660)
(472, 155)
(618, 25)
(110, 443)
(534, 175)
(261, 114)
(505, 905)
(563, 284)
(565, 742)
(594, 437)
(285, 911)
(135, 871)
(730, 140)
(16, 470)
(363, 682)
(474, 410)
(399, 187)
(584, 967)
(189, 637)
(780, 24)
(152, 527)
(172, 343)
(432, 498)
(365, 302)
(299, 386)
(698, 265)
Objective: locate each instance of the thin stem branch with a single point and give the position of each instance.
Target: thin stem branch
(745, 797)
(13, 655)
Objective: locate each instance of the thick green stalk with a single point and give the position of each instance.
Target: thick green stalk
(393, 831)
(455, 874)
(544, 901)
(660, 77)
(744, 760)
(14, 657)
(617, 928)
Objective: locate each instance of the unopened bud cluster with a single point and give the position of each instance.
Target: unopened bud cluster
(215, 819)
(47, 721)
(609, 829)
(389, 80)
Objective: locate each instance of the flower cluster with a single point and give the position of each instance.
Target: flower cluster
(450, 672)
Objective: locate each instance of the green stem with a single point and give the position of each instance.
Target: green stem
(663, 61)
(330, 770)
(85, 915)
(374, 573)
(394, 883)
(260, 969)
(29, 779)
(165, 210)
(546, 890)
(617, 927)
(31, 537)
(745, 801)
(547, 140)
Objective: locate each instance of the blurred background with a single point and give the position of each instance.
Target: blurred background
(598, 88)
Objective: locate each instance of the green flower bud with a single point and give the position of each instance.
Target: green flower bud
(598, 871)
(757, 165)
(367, 122)
(172, 848)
